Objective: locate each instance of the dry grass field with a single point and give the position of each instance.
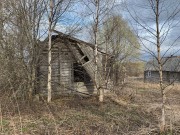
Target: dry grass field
(133, 110)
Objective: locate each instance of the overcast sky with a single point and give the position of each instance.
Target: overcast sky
(142, 11)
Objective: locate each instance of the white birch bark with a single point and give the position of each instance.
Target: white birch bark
(97, 83)
(163, 122)
(49, 85)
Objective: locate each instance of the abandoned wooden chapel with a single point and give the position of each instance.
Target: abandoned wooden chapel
(73, 67)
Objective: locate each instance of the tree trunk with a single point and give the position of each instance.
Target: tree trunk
(49, 86)
(100, 90)
(1, 22)
(163, 96)
(163, 122)
(49, 69)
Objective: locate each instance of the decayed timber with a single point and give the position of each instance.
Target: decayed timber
(66, 53)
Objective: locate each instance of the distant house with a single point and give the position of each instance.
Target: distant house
(171, 70)
(72, 65)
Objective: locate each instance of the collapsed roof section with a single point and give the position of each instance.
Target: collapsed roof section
(83, 53)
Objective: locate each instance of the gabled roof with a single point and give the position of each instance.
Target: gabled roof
(171, 64)
(83, 53)
(68, 36)
(71, 38)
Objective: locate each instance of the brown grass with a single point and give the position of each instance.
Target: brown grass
(134, 111)
(73, 115)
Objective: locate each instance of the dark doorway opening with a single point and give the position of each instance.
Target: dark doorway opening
(80, 74)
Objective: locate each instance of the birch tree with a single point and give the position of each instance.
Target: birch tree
(22, 27)
(1, 21)
(101, 94)
(98, 9)
(49, 50)
(157, 19)
(57, 8)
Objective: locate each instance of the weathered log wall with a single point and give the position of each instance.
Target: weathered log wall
(66, 54)
(62, 69)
